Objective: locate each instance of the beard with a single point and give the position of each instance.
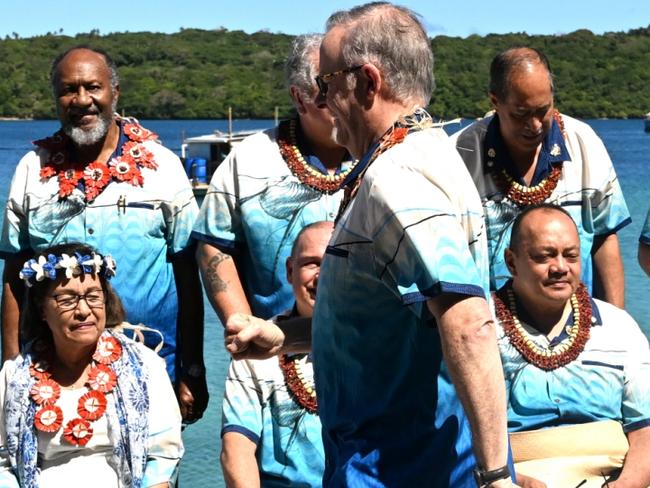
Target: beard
(89, 137)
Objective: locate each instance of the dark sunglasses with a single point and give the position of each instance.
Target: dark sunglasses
(323, 80)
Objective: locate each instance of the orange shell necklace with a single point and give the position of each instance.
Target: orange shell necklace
(306, 174)
(550, 358)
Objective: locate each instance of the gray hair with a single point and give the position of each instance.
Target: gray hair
(110, 64)
(299, 68)
(507, 62)
(392, 38)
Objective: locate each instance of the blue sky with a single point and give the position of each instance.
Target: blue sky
(454, 18)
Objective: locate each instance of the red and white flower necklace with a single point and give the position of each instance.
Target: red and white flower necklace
(92, 404)
(91, 179)
(302, 392)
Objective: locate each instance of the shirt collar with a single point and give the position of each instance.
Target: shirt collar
(553, 151)
(596, 320)
(361, 165)
(417, 120)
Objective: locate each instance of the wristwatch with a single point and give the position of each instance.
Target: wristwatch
(486, 478)
(194, 370)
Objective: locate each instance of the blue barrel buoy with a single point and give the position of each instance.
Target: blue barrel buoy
(188, 166)
(199, 170)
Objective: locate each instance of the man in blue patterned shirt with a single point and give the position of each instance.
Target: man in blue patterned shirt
(106, 181)
(404, 281)
(577, 369)
(271, 432)
(527, 152)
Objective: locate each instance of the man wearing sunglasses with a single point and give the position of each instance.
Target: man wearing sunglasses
(404, 281)
(272, 185)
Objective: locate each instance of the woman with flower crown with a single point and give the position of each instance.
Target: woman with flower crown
(83, 405)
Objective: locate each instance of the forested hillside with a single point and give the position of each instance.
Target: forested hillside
(199, 74)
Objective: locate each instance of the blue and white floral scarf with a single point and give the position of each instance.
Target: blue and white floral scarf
(127, 415)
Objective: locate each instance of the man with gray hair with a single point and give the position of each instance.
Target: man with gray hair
(105, 180)
(407, 368)
(270, 186)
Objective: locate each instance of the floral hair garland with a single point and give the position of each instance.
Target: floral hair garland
(48, 266)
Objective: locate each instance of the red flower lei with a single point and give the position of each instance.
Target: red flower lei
(531, 195)
(78, 432)
(287, 142)
(48, 418)
(96, 176)
(303, 394)
(91, 405)
(102, 378)
(545, 358)
(92, 179)
(126, 170)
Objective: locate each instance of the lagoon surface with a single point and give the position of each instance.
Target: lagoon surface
(628, 146)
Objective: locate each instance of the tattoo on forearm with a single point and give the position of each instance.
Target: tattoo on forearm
(215, 282)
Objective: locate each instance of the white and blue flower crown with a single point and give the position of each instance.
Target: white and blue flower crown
(47, 266)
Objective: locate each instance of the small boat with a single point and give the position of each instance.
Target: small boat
(202, 155)
(646, 121)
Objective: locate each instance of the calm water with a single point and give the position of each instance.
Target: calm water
(628, 145)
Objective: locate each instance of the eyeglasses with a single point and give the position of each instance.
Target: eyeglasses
(323, 80)
(67, 302)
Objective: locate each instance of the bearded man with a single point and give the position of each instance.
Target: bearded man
(105, 180)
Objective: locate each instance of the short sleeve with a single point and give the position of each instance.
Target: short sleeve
(636, 390)
(427, 241)
(15, 236)
(242, 407)
(165, 447)
(219, 221)
(179, 207)
(609, 212)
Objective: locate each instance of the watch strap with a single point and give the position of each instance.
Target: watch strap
(486, 478)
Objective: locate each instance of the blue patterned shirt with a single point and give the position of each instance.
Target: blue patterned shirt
(141, 227)
(390, 413)
(254, 209)
(609, 380)
(588, 187)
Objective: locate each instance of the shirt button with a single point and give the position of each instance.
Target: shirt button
(91, 231)
(331, 214)
(557, 400)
